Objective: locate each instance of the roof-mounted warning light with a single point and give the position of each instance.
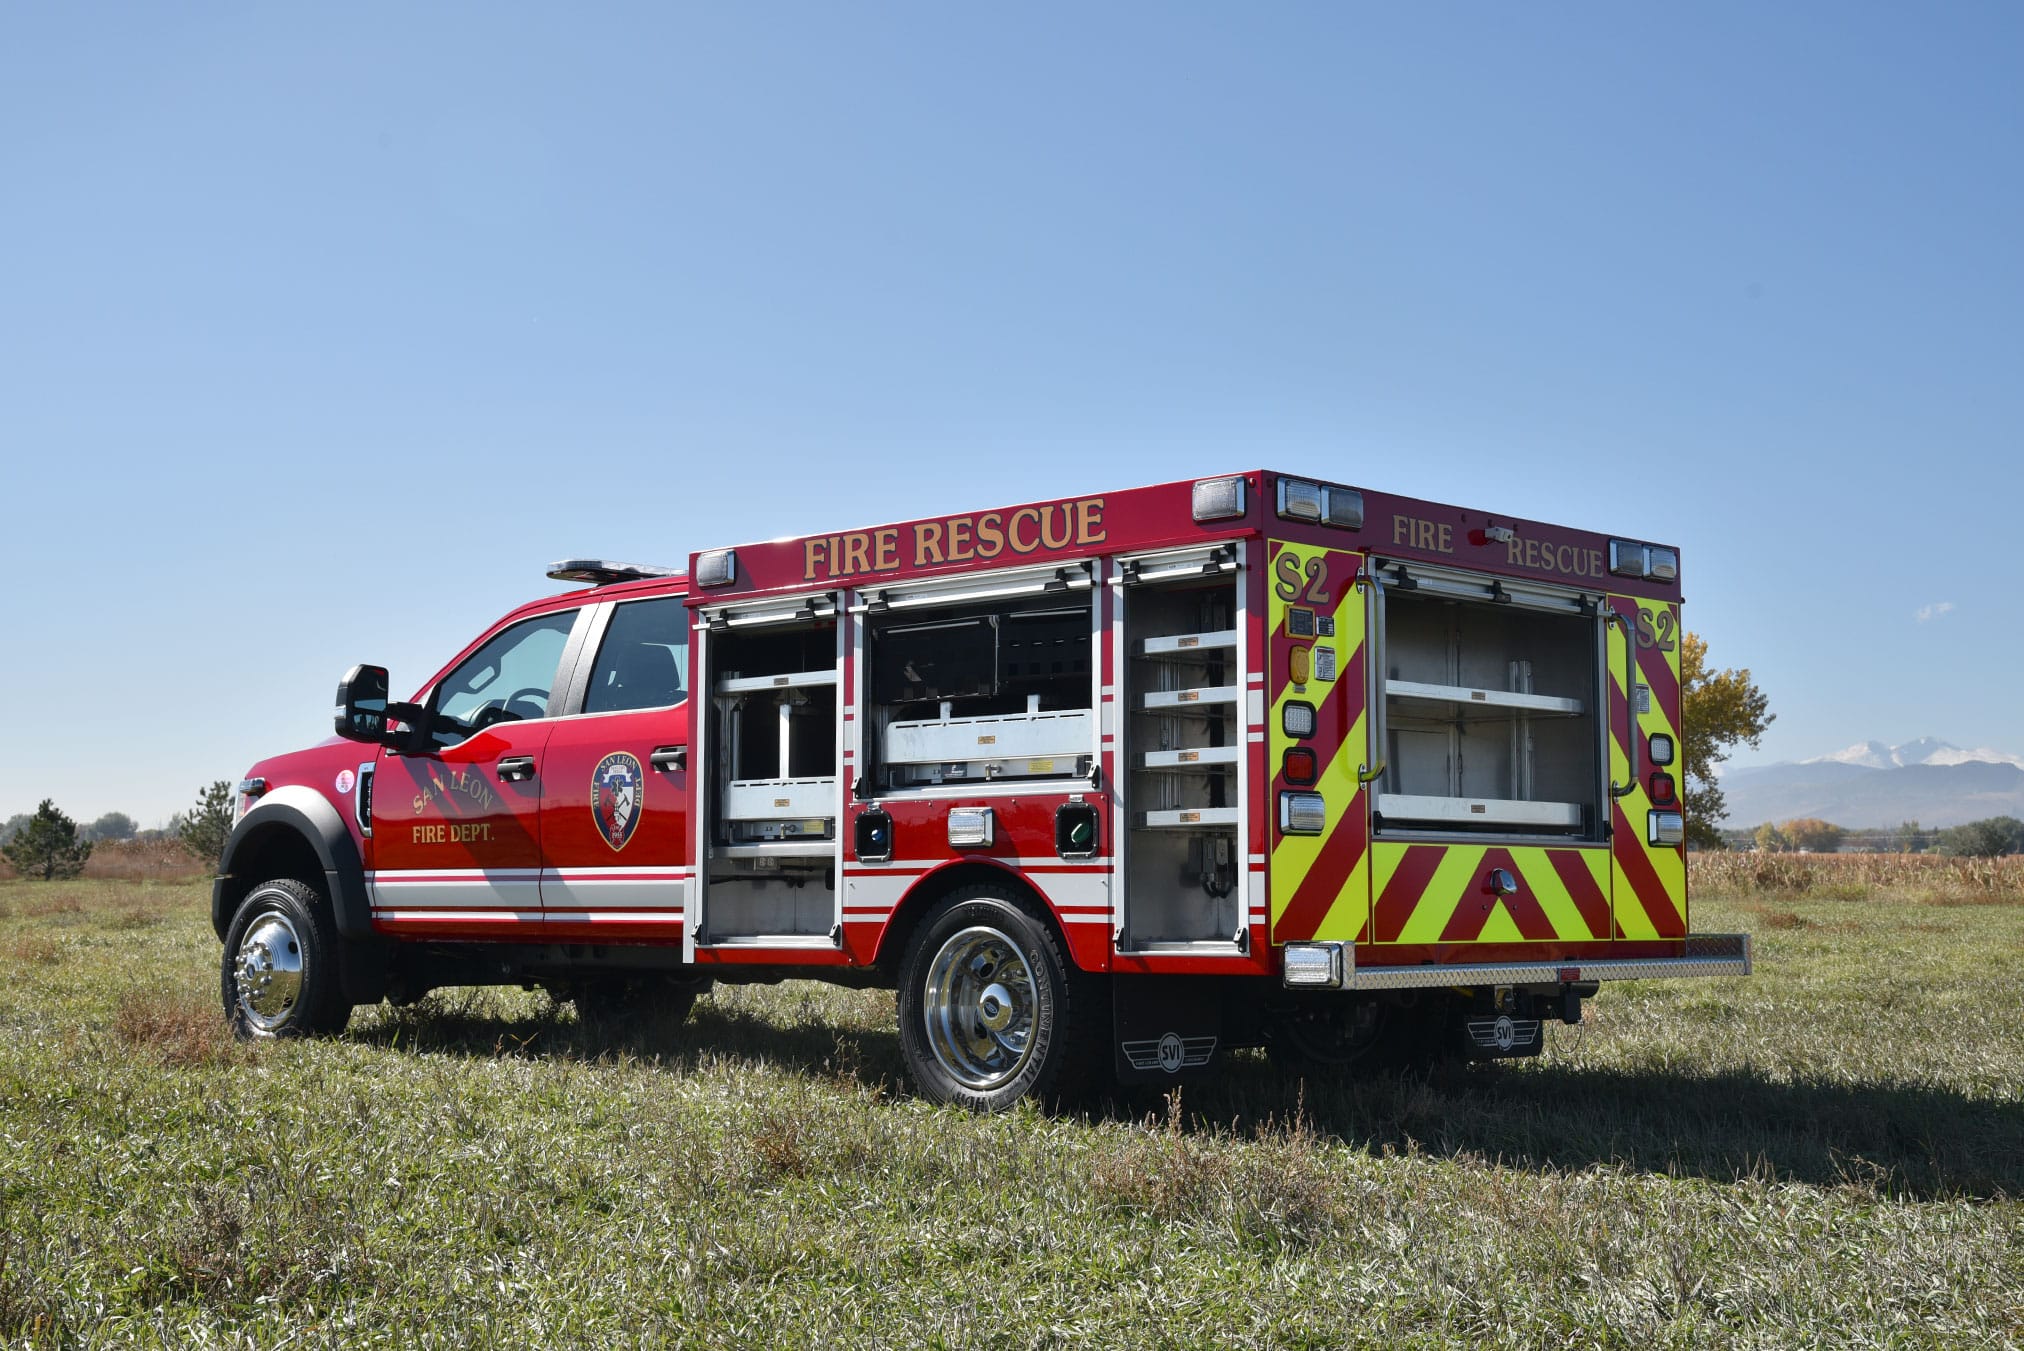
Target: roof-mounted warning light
(1218, 499)
(1321, 503)
(1628, 559)
(602, 572)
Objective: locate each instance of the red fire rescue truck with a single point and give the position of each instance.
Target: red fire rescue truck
(1097, 784)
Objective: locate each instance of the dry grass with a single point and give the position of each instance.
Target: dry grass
(1830, 1153)
(33, 950)
(179, 1027)
(1934, 879)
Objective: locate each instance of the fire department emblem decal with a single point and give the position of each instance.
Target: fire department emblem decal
(617, 788)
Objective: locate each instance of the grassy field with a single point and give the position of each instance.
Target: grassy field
(1831, 1153)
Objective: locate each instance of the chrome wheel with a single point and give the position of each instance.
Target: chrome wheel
(267, 971)
(978, 1001)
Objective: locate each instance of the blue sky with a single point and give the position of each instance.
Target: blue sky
(323, 330)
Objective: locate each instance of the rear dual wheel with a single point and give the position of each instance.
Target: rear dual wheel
(990, 1009)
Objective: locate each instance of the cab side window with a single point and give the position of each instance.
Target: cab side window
(507, 679)
(644, 659)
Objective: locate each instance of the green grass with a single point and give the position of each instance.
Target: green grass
(1831, 1153)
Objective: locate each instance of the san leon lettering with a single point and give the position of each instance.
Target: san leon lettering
(469, 789)
(978, 538)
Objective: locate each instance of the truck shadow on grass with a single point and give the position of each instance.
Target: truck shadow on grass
(1900, 1140)
(1908, 1141)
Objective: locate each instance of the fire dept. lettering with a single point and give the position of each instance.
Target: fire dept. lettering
(979, 538)
(456, 832)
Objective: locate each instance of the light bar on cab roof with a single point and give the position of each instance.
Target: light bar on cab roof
(603, 572)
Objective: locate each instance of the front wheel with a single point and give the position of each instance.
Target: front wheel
(990, 1010)
(279, 975)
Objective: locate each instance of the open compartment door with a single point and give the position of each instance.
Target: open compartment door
(1318, 739)
(1644, 682)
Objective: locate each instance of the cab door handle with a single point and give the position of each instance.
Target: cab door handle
(516, 767)
(669, 758)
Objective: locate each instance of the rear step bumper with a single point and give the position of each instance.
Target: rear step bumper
(1333, 966)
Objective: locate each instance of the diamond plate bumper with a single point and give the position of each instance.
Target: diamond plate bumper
(1705, 955)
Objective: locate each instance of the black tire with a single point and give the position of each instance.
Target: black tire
(624, 1003)
(991, 1011)
(279, 975)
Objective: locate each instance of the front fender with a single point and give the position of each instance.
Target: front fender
(290, 831)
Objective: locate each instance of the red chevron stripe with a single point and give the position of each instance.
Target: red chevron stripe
(1466, 924)
(1652, 669)
(1403, 893)
(1332, 717)
(1588, 897)
(1644, 880)
(1665, 686)
(1322, 886)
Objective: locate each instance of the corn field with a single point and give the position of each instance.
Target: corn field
(1934, 878)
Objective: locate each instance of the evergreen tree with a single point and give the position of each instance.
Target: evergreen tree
(48, 846)
(203, 828)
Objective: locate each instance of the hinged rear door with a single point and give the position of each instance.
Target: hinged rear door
(1318, 738)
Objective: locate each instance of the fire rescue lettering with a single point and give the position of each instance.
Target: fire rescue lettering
(955, 539)
(1566, 559)
(1438, 537)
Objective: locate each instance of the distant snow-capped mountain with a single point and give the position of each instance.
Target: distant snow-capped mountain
(1925, 751)
(1873, 785)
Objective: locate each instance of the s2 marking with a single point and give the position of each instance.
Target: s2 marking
(1655, 628)
(1298, 581)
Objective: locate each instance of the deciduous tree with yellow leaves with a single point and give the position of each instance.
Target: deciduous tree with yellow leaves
(1720, 709)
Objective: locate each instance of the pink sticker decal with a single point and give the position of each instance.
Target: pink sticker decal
(345, 779)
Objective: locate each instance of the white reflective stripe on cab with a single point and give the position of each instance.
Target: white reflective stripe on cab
(506, 894)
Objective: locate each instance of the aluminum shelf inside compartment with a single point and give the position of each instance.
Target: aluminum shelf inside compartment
(1420, 691)
(1184, 700)
(1009, 736)
(1197, 757)
(1188, 644)
(1190, 818)
(779, 799)
(1479, 811)
(788, 680)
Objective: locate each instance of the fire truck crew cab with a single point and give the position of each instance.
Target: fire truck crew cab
(1100, 785)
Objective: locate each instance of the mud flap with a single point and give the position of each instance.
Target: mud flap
(1502, 1037)
(1164, 1029)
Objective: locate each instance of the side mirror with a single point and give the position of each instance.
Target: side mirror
(364, 713)
(362, 704)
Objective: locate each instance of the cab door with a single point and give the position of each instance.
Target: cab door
(456, 846)
(615, 813)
